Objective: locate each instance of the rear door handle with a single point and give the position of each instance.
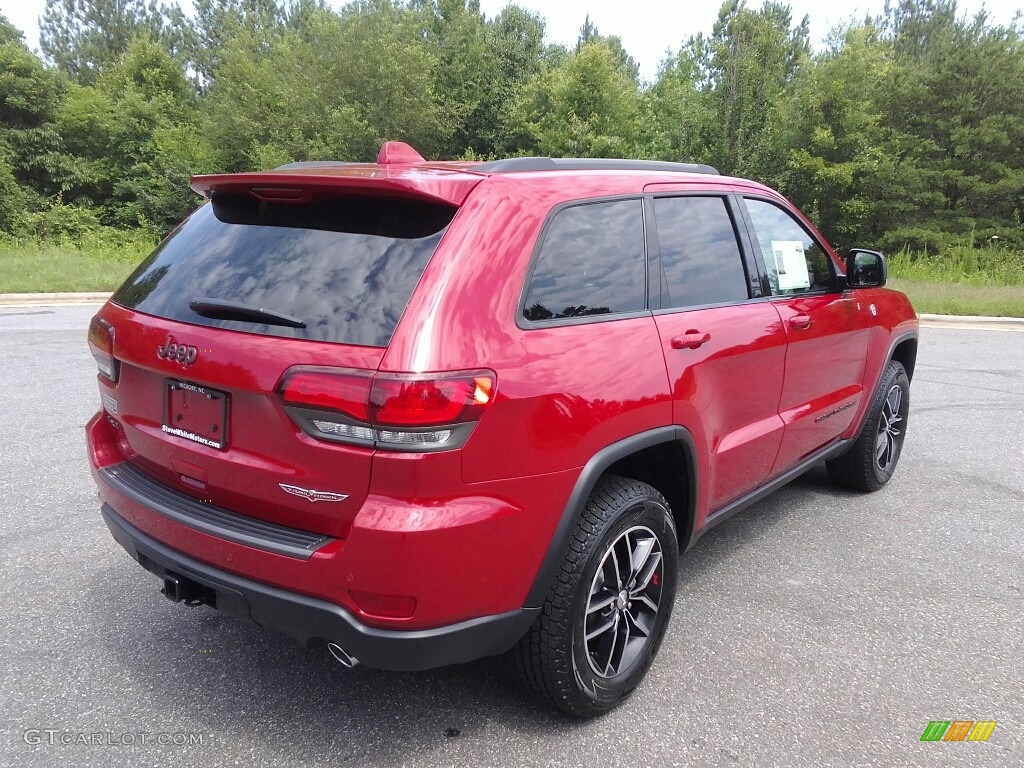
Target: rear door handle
(691, 340)
(800, 322)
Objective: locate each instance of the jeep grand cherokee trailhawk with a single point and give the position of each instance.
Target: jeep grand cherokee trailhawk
(418, 412)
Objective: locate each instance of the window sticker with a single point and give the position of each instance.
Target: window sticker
(790, 265)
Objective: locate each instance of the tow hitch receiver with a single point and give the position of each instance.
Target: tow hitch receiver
(178, 589)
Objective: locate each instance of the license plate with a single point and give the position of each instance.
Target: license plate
(196, 413)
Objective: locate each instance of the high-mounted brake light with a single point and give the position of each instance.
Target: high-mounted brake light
(281, 194)
(101, 344)
(409, 412)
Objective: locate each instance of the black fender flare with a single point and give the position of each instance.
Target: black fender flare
(869, 393)
(590, 474)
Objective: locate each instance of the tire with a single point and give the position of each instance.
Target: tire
(872, 459)
(625, 607)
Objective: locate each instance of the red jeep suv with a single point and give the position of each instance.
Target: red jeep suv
(423, 412)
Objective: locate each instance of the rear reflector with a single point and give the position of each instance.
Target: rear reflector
(387, 606)
(101, 344)
(409, 412)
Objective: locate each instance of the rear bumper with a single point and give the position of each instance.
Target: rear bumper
(316, 622)
(470, 552)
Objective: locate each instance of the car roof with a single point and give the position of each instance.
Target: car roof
(400, 169)
(523, 164)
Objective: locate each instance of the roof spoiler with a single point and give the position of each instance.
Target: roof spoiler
(398, 172)
(304, 185)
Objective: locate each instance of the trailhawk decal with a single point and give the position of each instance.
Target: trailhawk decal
(838, 410)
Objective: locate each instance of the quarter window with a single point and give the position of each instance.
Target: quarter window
(700, 255)
(591, 262)
(795, 261)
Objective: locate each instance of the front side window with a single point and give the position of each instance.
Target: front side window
(591, 262)
(796, 263)
(700, 255)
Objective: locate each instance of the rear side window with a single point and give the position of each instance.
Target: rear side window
(591, 262)
(700, 255)
(345, 266)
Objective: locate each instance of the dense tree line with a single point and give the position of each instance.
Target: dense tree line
(907, 129)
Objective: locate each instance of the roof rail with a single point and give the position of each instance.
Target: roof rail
(513, 164)
(312, 164)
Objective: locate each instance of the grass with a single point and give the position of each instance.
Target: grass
(961, 265)
(96, 263)
(962, 298)
(960, 281)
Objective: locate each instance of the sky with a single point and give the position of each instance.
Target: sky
(647, 27)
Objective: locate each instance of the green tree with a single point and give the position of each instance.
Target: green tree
(30, 95)
(906, 129)
(677, 119)
(831, 127)
(124, 150)
(747, 65)
(336, 86)
(480, 71)
(457, 35)
(83, 36)
(214, 23)
(954, 120)
(381, 65)
(586, 106)
(590, 34)
(515, 39)
(262, 111)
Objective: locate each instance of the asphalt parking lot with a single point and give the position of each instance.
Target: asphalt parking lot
(818, 628)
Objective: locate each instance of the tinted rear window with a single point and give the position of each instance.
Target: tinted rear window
(345, 266)
(590, 263)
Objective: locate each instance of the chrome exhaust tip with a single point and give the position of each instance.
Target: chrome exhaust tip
(342, 656)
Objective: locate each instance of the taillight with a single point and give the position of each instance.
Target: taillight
(101, 344)
(346, 392)
(412, 412)
(413, 401)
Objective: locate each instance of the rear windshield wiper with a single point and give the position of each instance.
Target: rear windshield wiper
(219, 309)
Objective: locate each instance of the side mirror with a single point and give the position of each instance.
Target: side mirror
(865, 269)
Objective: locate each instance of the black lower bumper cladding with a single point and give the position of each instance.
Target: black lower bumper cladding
(316, 622)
